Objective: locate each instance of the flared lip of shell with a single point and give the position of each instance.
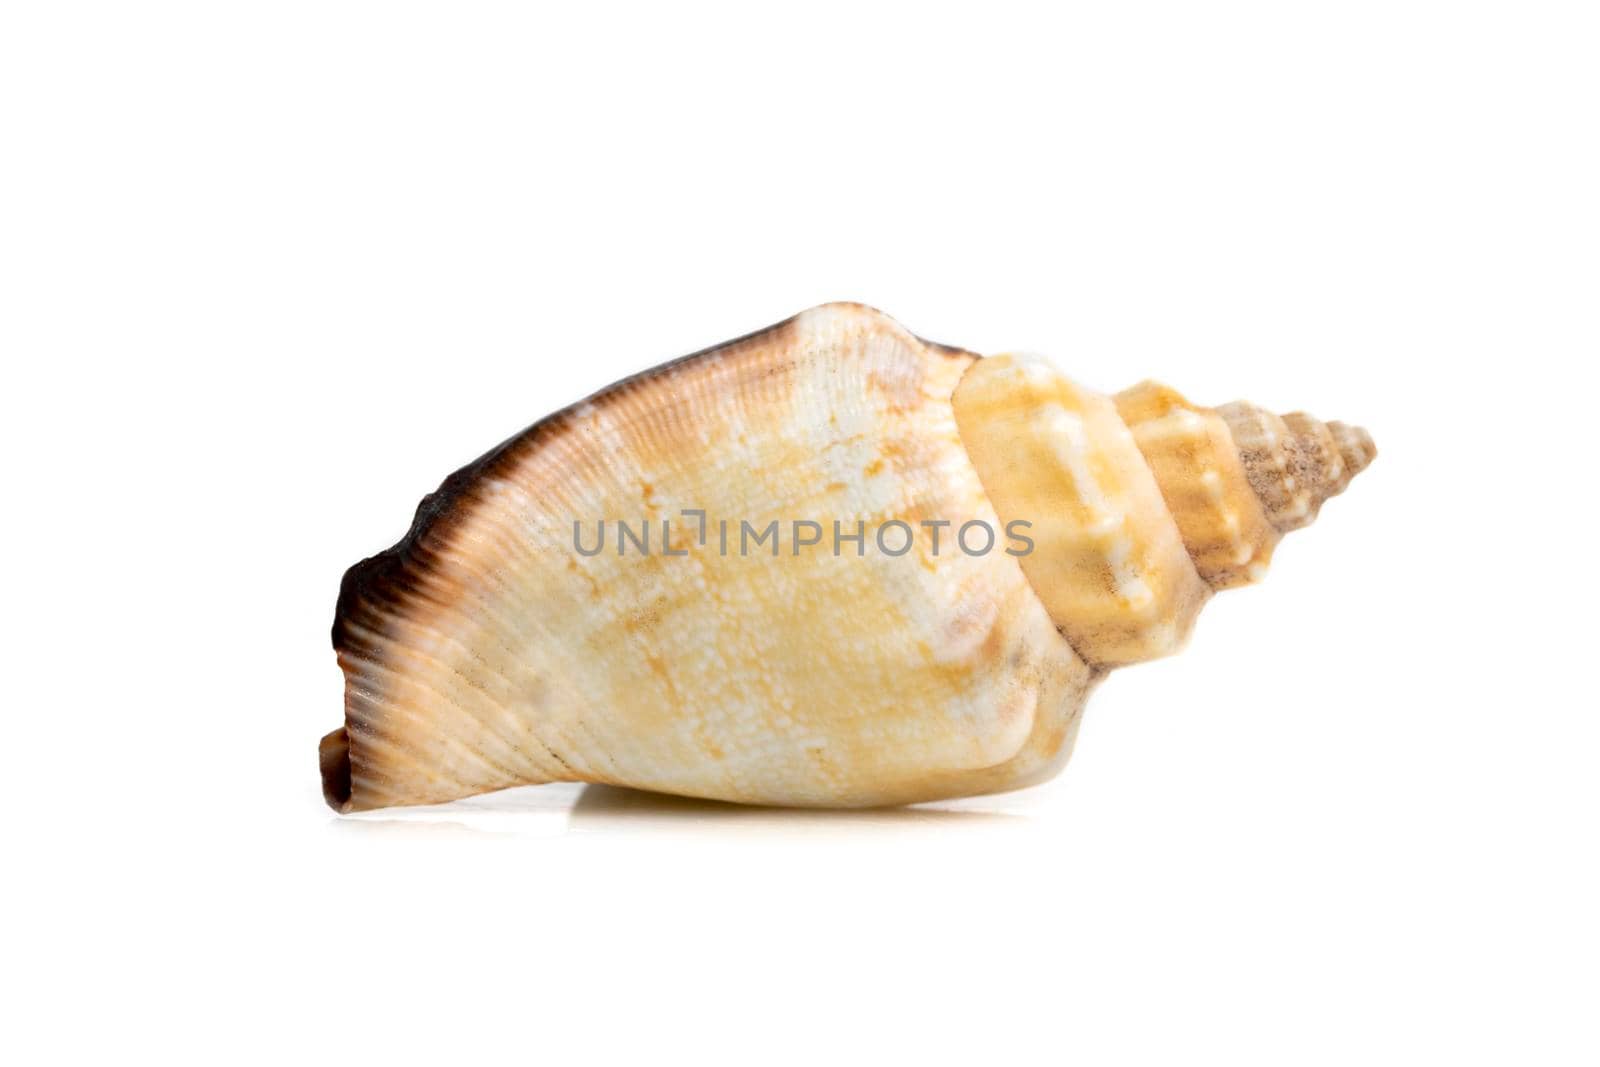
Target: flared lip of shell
(381, 580)
(378, 579)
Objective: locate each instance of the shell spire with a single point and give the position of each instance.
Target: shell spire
(1295, 463)
(1143, 503)
(1236, 478)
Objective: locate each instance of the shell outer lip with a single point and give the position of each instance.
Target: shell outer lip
(334, 754)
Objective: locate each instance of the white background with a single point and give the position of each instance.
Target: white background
(268, 272)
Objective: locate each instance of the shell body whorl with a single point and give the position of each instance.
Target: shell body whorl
(492, 647)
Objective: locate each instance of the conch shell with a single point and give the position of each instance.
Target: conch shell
(867, 654)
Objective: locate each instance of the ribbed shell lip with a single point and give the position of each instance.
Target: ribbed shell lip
(382, 579)
(384, 587)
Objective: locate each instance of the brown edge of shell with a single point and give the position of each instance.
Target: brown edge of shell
(380, 585)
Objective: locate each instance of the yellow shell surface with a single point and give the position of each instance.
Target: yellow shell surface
(1110, 565)
(746, 575)
(1193, 457)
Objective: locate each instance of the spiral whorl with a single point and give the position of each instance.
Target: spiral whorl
(1296, 462)
(1237, 477)
(1355, 446)
(1112, 566)
(1141, 504)
(1191, 453)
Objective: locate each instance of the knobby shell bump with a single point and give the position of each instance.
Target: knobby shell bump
(487, 650)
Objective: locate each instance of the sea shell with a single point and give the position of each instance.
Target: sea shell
(494, 647)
